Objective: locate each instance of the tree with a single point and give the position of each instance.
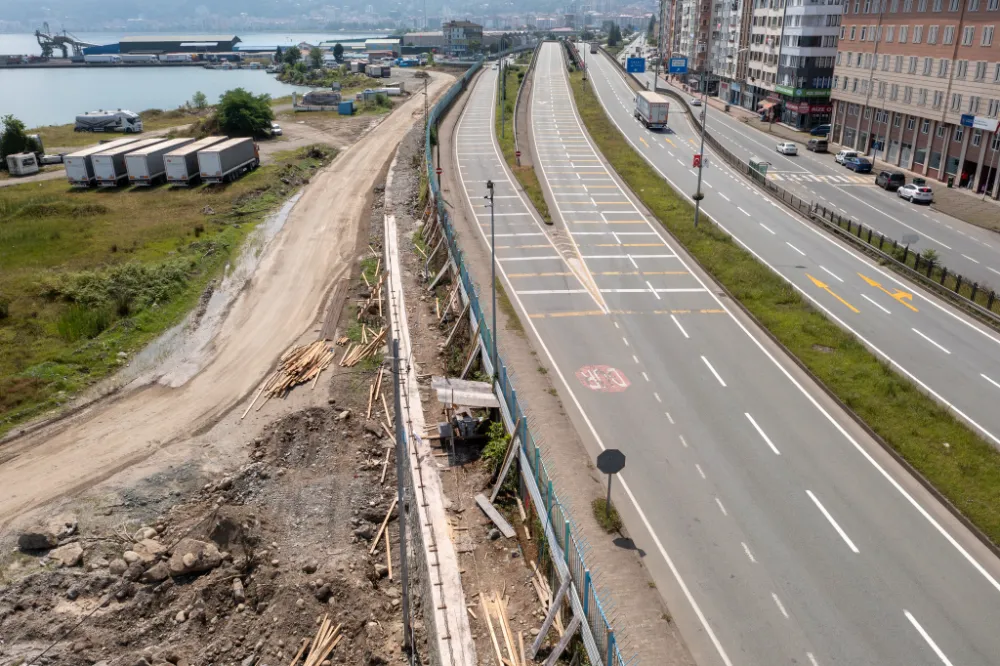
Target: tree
(241, 113)
(652, 26)
(292, 55)
(13, 139)
(614, 35)
(199, 100)
(338, 51)
(316, 57)
(586, 36)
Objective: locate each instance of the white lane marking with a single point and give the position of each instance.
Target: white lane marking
(842, 533)
(829, 272)
(927, 637)
(683, 332)
(865, 296)
(653, 290)
(743, 211)
(669, 418)
(625, 341)
(990, 380)
(761, 432)
(795, 248)
(700, 471)
(635, 358)
(617, 326)
(767, 228)
(708, 183)
(705, 360)
(993, 270)
(970, 258)
(721, 507)
(746, 549)
(781, 607)
(683, 441)
(542, 292)
(812, 659)
(657, 396)
(930, 341)
(725, 197)
(634, 265)
(645, 376)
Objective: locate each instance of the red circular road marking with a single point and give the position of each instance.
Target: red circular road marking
(603, 378)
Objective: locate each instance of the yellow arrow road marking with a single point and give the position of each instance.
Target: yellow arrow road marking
(643, 142)
(667, 139)
(825, 287)
(900, 296)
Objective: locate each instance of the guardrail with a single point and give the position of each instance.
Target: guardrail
(978, 301)
(520, 89)
(567, 550)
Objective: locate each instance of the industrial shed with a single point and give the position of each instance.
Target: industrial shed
(179, 44)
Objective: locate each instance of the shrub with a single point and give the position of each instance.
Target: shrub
(496, 448)
(80, 322)
(4, 307)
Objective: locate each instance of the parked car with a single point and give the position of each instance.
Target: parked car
(890, 180)
(275, 129)
(820, 130)
(787, 148)
(695, 101)
(916, 193)
(844, 154)
(817, 145)
(858, 164)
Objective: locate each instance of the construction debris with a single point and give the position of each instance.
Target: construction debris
(322, 644)
(357, 352)
(296, 366)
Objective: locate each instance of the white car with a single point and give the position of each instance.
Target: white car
(695, 101)
(787, 148)
(916, 193)
(844, 154)
(275, 129)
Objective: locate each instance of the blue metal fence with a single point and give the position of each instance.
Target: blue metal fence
(554, 513)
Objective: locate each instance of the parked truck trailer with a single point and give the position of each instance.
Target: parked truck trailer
(80, 166)
(121, 120)
(140, 58)
(651, 109)
(228, 160)
(145, 166)
(109, 165)
(181, 164)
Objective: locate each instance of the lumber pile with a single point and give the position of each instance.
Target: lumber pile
(296, 366)
(362, 350)
(322, 644)
(495, 609)
(545, 596)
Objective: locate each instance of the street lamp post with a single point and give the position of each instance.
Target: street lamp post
(493, 274)
(698, 195)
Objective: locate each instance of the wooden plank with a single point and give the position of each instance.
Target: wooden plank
(549, 618)
(508, 458)
(520, 510)
(563, 642)
(385, 521)
(458, 323)
(489, 625)
(520, 645)
(495, 516)
(371, 397)
(471, 357)
(385, 465)
(505, 622)
(388, 554)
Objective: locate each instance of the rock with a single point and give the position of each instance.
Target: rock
(101, 563)
(208, 210)
(117, 567)
(239, 595)
(310, 567)
(157, 573)
(300, 603)
(130, 556)
(373, 428)
(149, 550)
(134, 571)
(144, 533)
(72, 593)
(180, 617)
(248, 661)
(323, 593)
(381, 570)
(70, 555)
(38, 539)
(366, 531)
(344, 415)
(193, 556)
(494, 534)
(534, 631)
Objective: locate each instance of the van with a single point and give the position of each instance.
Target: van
(890, 180)
(844, 154)
(817, 145)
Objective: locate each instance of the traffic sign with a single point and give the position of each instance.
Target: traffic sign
(610, 461)
(439, 171)
(678, 65)
(517, 153)
(635, 65)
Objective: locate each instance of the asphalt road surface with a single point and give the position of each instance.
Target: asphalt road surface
(777, 532)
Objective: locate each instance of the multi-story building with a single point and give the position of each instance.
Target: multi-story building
(917, 84)
(462, 37)
(693, 17)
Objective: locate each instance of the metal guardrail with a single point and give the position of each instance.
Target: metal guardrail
(558, 523)
(979, 301)
(520, 89)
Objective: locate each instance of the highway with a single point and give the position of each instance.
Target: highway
(972, 251)
(950, 356)
(777, 532)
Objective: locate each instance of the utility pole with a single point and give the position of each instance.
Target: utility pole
(698, 195)
(503, 96)
(401, 459)
(493, 274)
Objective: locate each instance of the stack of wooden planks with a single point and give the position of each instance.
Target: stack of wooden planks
(495, 605)
(358, 351)
(544, 592)
(322, 644)
(297, 366)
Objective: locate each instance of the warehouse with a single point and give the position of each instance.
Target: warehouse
(179, 44)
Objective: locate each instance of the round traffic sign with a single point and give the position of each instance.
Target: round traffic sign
(439, 171)
(517, 153)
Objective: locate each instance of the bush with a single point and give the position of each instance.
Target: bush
(496, 448)
(382, 101)
(241, 113)
(126, 287)
(80, 322)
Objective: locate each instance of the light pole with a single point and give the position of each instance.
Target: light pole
(493, 274)
(698, 195)
(996, 163)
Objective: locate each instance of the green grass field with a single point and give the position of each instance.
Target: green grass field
(91, 273)
(963, 466)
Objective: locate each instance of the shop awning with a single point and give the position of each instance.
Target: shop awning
(764, 106)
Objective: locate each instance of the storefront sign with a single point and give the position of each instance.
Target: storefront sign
(734, 86)
(979, 122)
(802, 92)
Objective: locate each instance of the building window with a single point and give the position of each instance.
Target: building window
(968, 35)
(925, 126)
(936, 6)
(921, 5)
(868, 61)
(885, 63)
(956, 101)
(902, 34)
(854, 31)
(899, 64)
(864, 87)
(918, 32)
(987, 36)
(896, 119)
(932, 34)
(922, 98)
(973, 104)
(868, 6)
(868, 113)
(992, 5)
(907, 5)
(911, 65)
(839, 54)
(854, 85)
(843, 30)
(938, 99)
(953, 5)
(961, 68)
(995, 144)
(996, 73)
(894, 6)
(911, 122)
(890, 32)
(857, 59)
(881, 89)
(940, 131)
(894, 92)
(973, 5)
(994, 108)
(980, 70)
(864, 33)
(928, 66)
(943, 67)
(907, 95)
(959, 133)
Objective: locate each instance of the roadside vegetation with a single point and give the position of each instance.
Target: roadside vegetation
(89, 275)
(961, 465)
(63, 136)
(525, 175)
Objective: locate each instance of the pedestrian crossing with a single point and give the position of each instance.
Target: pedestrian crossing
(830, 180)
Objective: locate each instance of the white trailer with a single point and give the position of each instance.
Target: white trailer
(651, 109)
(145, 166)
(182, 164)
(227, 160)
(176, 57)
(22, 164)
(121, 120)
(80, 166)
(139, 58)
(103, 59)
(109, 165)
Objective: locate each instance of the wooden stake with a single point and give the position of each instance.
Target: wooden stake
(489, 625)
(298, 655)
(385, 465)
(388, 554)
(385, 522)
(520, 646)
(385, 408)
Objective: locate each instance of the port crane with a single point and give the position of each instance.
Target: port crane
(50, 41)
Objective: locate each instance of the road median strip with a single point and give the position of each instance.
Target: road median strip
(952, 460)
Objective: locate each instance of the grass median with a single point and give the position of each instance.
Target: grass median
(90, 274)
(960, 464)
(525, 175)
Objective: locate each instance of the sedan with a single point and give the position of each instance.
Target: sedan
(275, 129)
(820, 130)
(858, 164)
(695, 101)
(916, 193)
(787, 148)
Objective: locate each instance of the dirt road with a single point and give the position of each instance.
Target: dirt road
(314, 249)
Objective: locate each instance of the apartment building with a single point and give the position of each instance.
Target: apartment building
(917, 84)
(694, 17)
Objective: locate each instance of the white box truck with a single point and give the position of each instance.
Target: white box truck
(109, 165)
(103, 59)
(182, 164)
(227, 160)
(140, 58)
(121, 120)
(22, 164)
(651, 109)
(80, 166)
(176, 57)
(145, 166)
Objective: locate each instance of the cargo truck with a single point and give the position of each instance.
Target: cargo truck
(109, 165)
(121, 120)
(145, 166)
(227, 160)
(182, 164)
(103, 59)
(140, 58)
(651, 109)
(80, 166)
